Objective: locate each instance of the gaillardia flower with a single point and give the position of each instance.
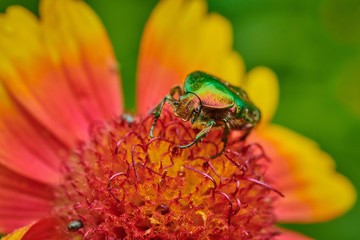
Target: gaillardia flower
(73, 166)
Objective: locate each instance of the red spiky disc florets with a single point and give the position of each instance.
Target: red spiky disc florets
(124, 185)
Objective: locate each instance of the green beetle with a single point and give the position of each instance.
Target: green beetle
(211, 102)
(75, 225)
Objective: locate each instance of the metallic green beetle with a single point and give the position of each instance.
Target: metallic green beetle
(211, 102)
(75, 225)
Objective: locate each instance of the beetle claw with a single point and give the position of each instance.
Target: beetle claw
(151, 132)
(217, 155)
(152, 128)
(186, 146)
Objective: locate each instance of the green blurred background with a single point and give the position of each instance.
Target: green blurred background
(312, 45)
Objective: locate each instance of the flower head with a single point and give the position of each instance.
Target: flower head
(123, 184)
(71, 166)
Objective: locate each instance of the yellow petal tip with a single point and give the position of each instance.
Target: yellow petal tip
(307, 177)
(263, 88)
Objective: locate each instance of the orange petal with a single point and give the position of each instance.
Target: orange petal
(313, 190)
(78, 40)
(44, 229)
(262, 86)
(290, 235)
(27, 147)
(61, 72)
(57, 77)
(179, 38)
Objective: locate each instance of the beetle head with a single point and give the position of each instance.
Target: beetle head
(189, 107)
(251, 114)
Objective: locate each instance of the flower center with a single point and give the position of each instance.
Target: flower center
(123, 184)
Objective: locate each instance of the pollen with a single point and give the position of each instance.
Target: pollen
(122, 184)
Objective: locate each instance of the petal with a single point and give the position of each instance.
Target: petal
(262, 86)
(179, 38)
(44, 229)
(27, 147)
(290, 235)
(53, 69)
(76, 36)
(313, 190)
(22, 200)
(17, 234)
(57, 77)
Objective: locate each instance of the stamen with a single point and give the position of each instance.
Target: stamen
(236, 164)
(171, 159)
(250, 149)
(95, 127)
(109, 186)
(263, 184)
(133, 160)
(230, 204)
(118, 146)
(237, 188)
(181, 124)
(202, 173)
(122, 184)
(157, 139)
(136, 134)
(238, 203)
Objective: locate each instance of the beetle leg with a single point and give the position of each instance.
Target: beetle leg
(247, 130)
(201, 134)
(224, 139)
(177, 89)
(158, 109)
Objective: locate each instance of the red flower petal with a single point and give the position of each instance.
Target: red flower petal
(22, 200)
(44, 229)
(57, 77)
(290, 235)
(26, 146)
